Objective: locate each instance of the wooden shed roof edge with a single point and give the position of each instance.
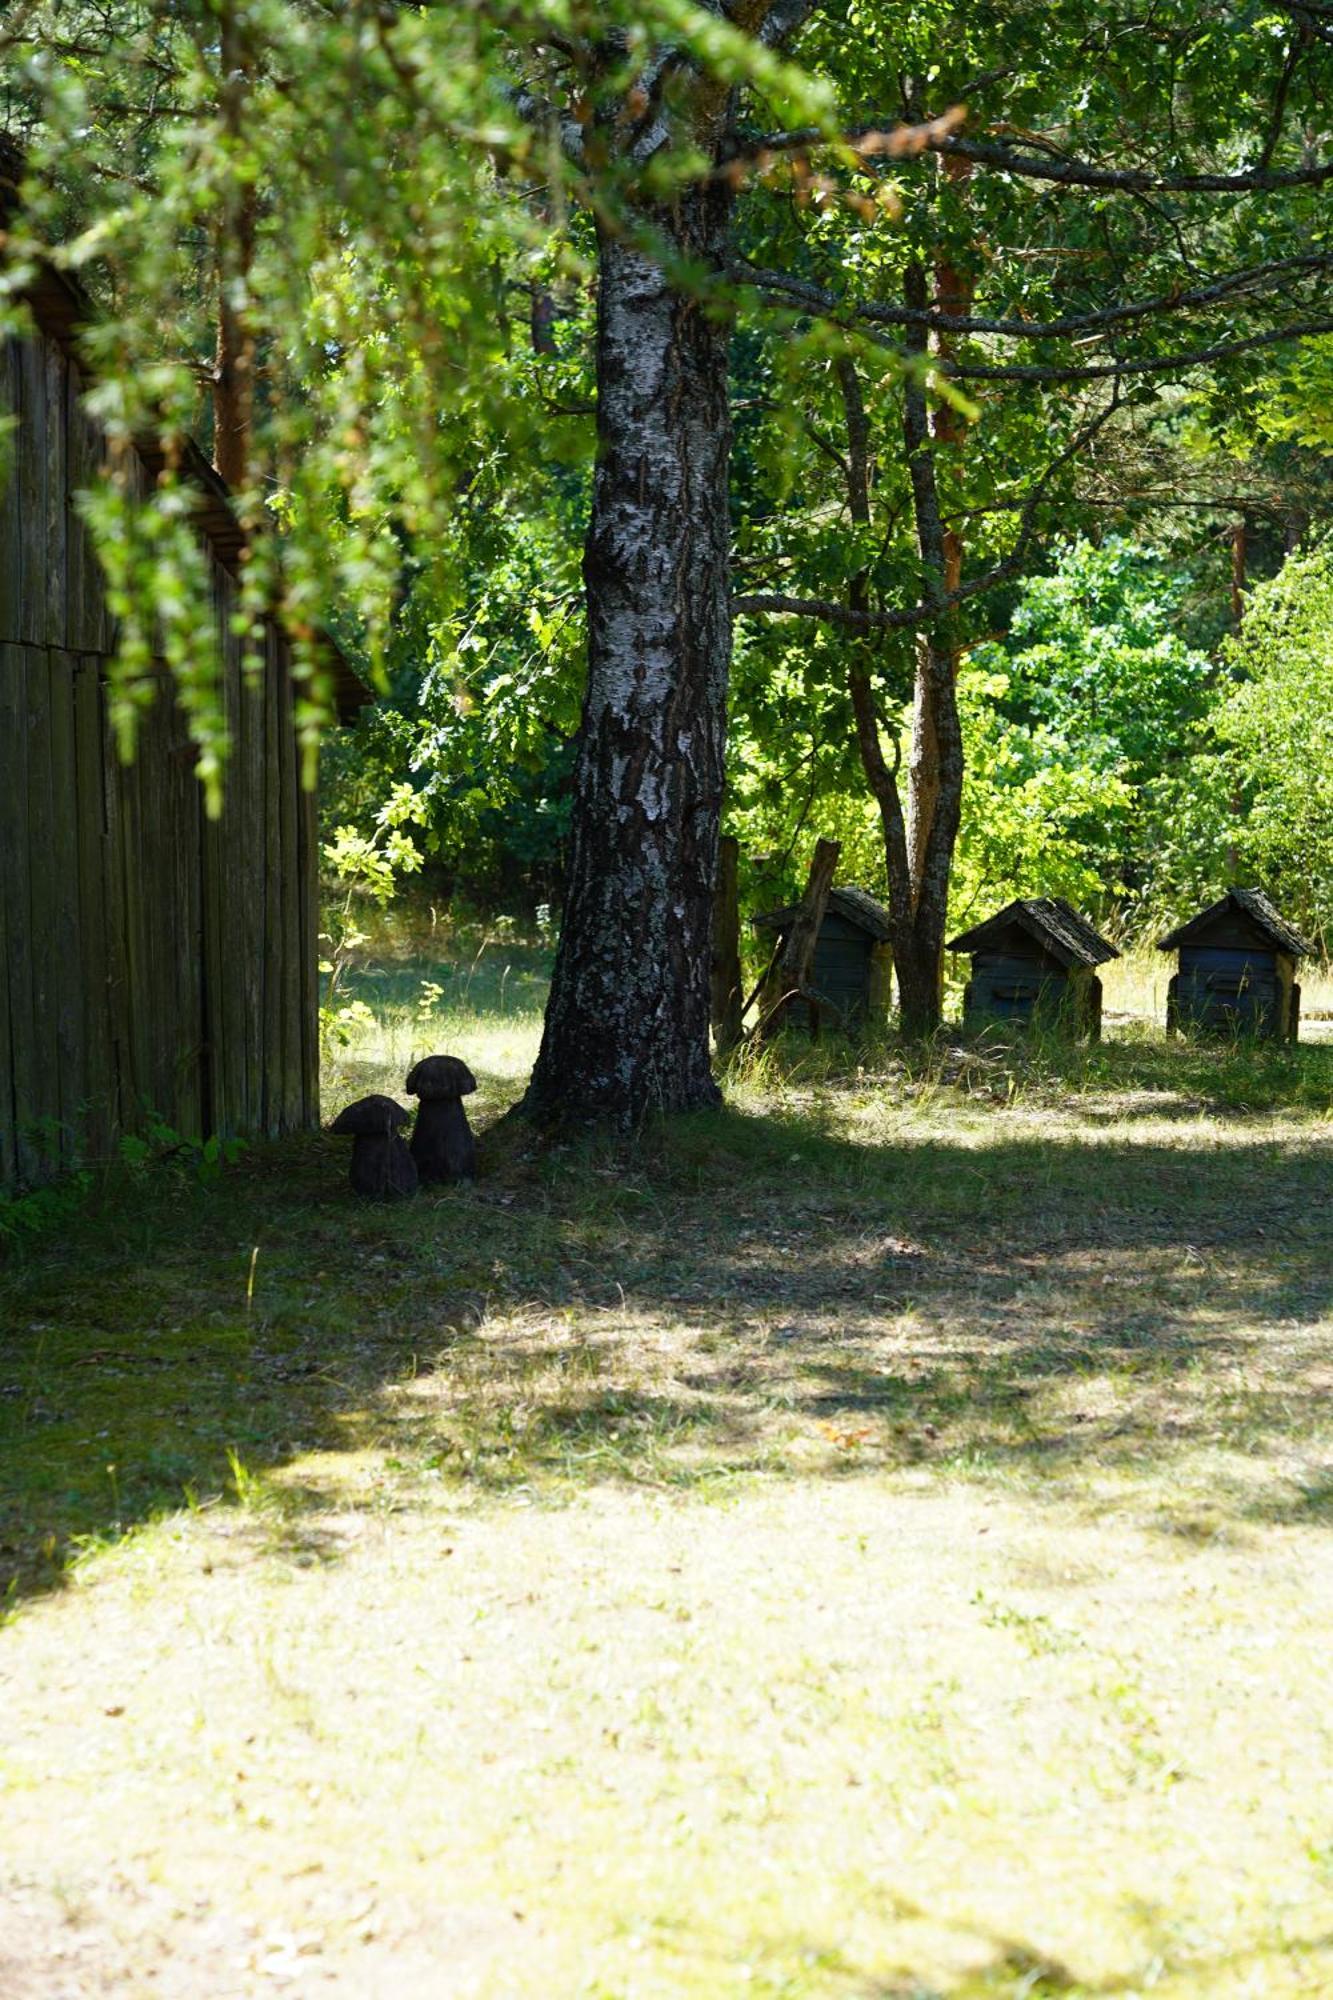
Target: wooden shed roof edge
(1252, 903)
(1051, 921)
(857, 905)
(60, 306)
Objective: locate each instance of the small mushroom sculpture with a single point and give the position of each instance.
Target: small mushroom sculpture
(442, 1142)
(382, 1167)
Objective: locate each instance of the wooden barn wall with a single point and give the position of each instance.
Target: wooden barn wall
(151, 960)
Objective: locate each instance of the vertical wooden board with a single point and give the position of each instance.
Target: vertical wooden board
(155, 941)
(250, 772)
(231, 1041)
(30, 467)
(11, 565)
(293, 1071)
(56, 398)
(186, 869)
(68, 958)
(8, 1147)
(86, 615)
(123, 1084)
(308, 874)
(15, 970)
(212, 1081)
(136, 1078)
(43, 896)
(274, 1121)
(93, 899)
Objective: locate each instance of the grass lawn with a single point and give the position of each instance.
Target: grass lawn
(874, 1541)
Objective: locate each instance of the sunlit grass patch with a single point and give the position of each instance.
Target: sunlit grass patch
(868, 1540)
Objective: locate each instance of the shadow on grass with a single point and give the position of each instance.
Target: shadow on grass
(738, 1296)
(1000, 1966)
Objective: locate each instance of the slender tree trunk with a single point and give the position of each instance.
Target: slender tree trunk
(919, 843)
(627, 1022)
(920, 957)
(954, 291)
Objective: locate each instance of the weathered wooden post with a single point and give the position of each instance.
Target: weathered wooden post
(789, 975)
(727, 996)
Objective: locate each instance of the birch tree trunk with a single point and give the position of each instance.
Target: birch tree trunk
(627, 1021)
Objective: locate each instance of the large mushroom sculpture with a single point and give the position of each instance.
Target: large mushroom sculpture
(442, 1142)
(382, 1166)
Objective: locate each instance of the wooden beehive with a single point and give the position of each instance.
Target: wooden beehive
(1034, 964)
(853, 962)
(1237, 970)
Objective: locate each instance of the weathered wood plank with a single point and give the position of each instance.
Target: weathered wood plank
(8, 1147)
(89, 624)
(56, 371)
(308, 876)
(230, 1042)
(11, 546)
(15, 976)
(136, 1078)
(63, 917)
(286, 757)
(43, 896)
(184, 801)
(124, 1082)
(93, 890)
(250, 774)
(274, 1121)
(213, 1091)
(30, 475)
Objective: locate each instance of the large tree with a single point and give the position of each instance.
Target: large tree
(627, 1022)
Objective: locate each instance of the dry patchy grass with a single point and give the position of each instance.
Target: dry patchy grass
(872, 1542)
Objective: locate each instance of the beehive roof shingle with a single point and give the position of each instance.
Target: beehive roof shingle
(1051, 921)
(857, 905)
(1251, 903)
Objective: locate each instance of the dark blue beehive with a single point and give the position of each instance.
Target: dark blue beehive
(1237, 970)
(1034, 963)
(852, 963)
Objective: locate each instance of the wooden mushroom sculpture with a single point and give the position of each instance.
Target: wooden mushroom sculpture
(442, 1142)
(382, 1166)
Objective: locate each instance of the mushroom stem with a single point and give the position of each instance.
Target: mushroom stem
(442, 1142)
(382, 1166)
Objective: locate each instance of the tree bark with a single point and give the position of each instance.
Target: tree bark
(626, 1028)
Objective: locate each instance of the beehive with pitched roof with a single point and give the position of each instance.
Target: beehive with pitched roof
(1237, 969)
(1035, 963)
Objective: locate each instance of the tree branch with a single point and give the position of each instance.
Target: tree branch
(918, 617)
(1062, 172)
(879, 313)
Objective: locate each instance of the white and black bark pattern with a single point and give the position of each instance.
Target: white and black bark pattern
(627, 1022)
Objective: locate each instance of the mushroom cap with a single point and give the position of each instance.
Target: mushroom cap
(440, 1076)
(369, 1117)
